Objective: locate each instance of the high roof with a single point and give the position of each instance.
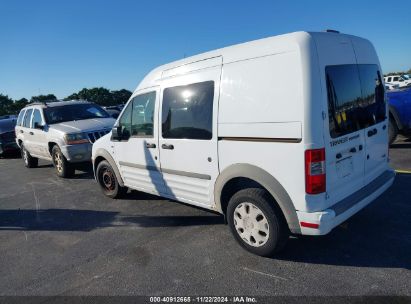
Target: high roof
(257, 48)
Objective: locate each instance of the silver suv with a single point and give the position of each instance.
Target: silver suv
(62, 132)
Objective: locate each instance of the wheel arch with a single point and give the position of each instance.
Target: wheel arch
(240, 176)
(51, 144)
(102, 154)
(394, 114)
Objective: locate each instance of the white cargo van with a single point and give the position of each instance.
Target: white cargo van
(281, 135)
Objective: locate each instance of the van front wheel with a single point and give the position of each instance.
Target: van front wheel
(256, 222)
(108, 181)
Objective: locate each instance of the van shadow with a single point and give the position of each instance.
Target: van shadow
(88, 220)
(378, 236)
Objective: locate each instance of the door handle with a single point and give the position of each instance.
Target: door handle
(384, 127)
(31, 133)
(150, 146)
(353, 150)
(372, 132)
(338, 156)
(169, 147)
(21, 131)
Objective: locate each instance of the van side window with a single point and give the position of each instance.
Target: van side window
(188, 111)
(20, 117)
(36, 118)
(389, 79)
(355, 97)
(125, 121)
(27, 118)
(142, 118)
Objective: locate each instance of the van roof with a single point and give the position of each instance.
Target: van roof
(285, 43)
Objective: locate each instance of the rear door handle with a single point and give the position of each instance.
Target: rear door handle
(338, 156)
(31, 133)
(21, 131)
(150, 146)
(168, 147)
(353, 150)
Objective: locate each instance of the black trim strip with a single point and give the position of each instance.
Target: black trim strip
(168, 171)
(188, 174)
(150, 168)
(262, 139)
(361, 194)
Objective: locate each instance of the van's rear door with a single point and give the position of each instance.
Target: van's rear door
(344, 139)
(376, 120)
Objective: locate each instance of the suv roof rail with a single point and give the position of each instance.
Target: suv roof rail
(48, 102)
(332, 31)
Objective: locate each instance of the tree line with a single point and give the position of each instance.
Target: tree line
(101, 96)
(399, 73)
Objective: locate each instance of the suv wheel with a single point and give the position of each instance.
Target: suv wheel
(108, 181)
(63, 167)
(257, 224)
(29, 161)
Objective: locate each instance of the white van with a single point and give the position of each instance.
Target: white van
(282, 135)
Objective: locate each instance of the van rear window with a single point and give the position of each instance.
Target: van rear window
(355, 97)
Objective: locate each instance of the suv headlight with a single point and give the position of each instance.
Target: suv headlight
(76, 138)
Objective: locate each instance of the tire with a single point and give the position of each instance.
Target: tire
(256, 222)
(392, 131)
(108, 182)
(63, 168)
(29, 161)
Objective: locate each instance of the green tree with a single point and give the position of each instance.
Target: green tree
(18, 105)
(43, 98)
(121, 96)
(5, 104)
(101, 96)
(73, 96)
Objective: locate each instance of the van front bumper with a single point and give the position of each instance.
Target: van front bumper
(322, 222)
(77, 153)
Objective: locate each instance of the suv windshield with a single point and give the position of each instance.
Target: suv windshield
(355, 97)
(73, 112)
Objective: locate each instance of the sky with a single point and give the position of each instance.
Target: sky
(60, 47)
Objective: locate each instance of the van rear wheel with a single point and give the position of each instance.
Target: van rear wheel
(256, 222)
(108, 181)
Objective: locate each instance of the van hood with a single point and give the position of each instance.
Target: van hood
(84, 125)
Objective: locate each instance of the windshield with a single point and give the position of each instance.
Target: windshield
(74, 112)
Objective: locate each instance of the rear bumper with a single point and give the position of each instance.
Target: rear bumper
(341, 211)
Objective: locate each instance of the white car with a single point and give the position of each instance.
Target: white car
(399, 80)
(232, 131)
(62, 132)
(391, 86)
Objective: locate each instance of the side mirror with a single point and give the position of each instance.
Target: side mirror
(38, 126)
(116, 133)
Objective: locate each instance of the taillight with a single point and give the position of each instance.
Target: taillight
(315, 171)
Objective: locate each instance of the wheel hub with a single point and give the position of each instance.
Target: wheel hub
(251, 224)
(108, 180)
